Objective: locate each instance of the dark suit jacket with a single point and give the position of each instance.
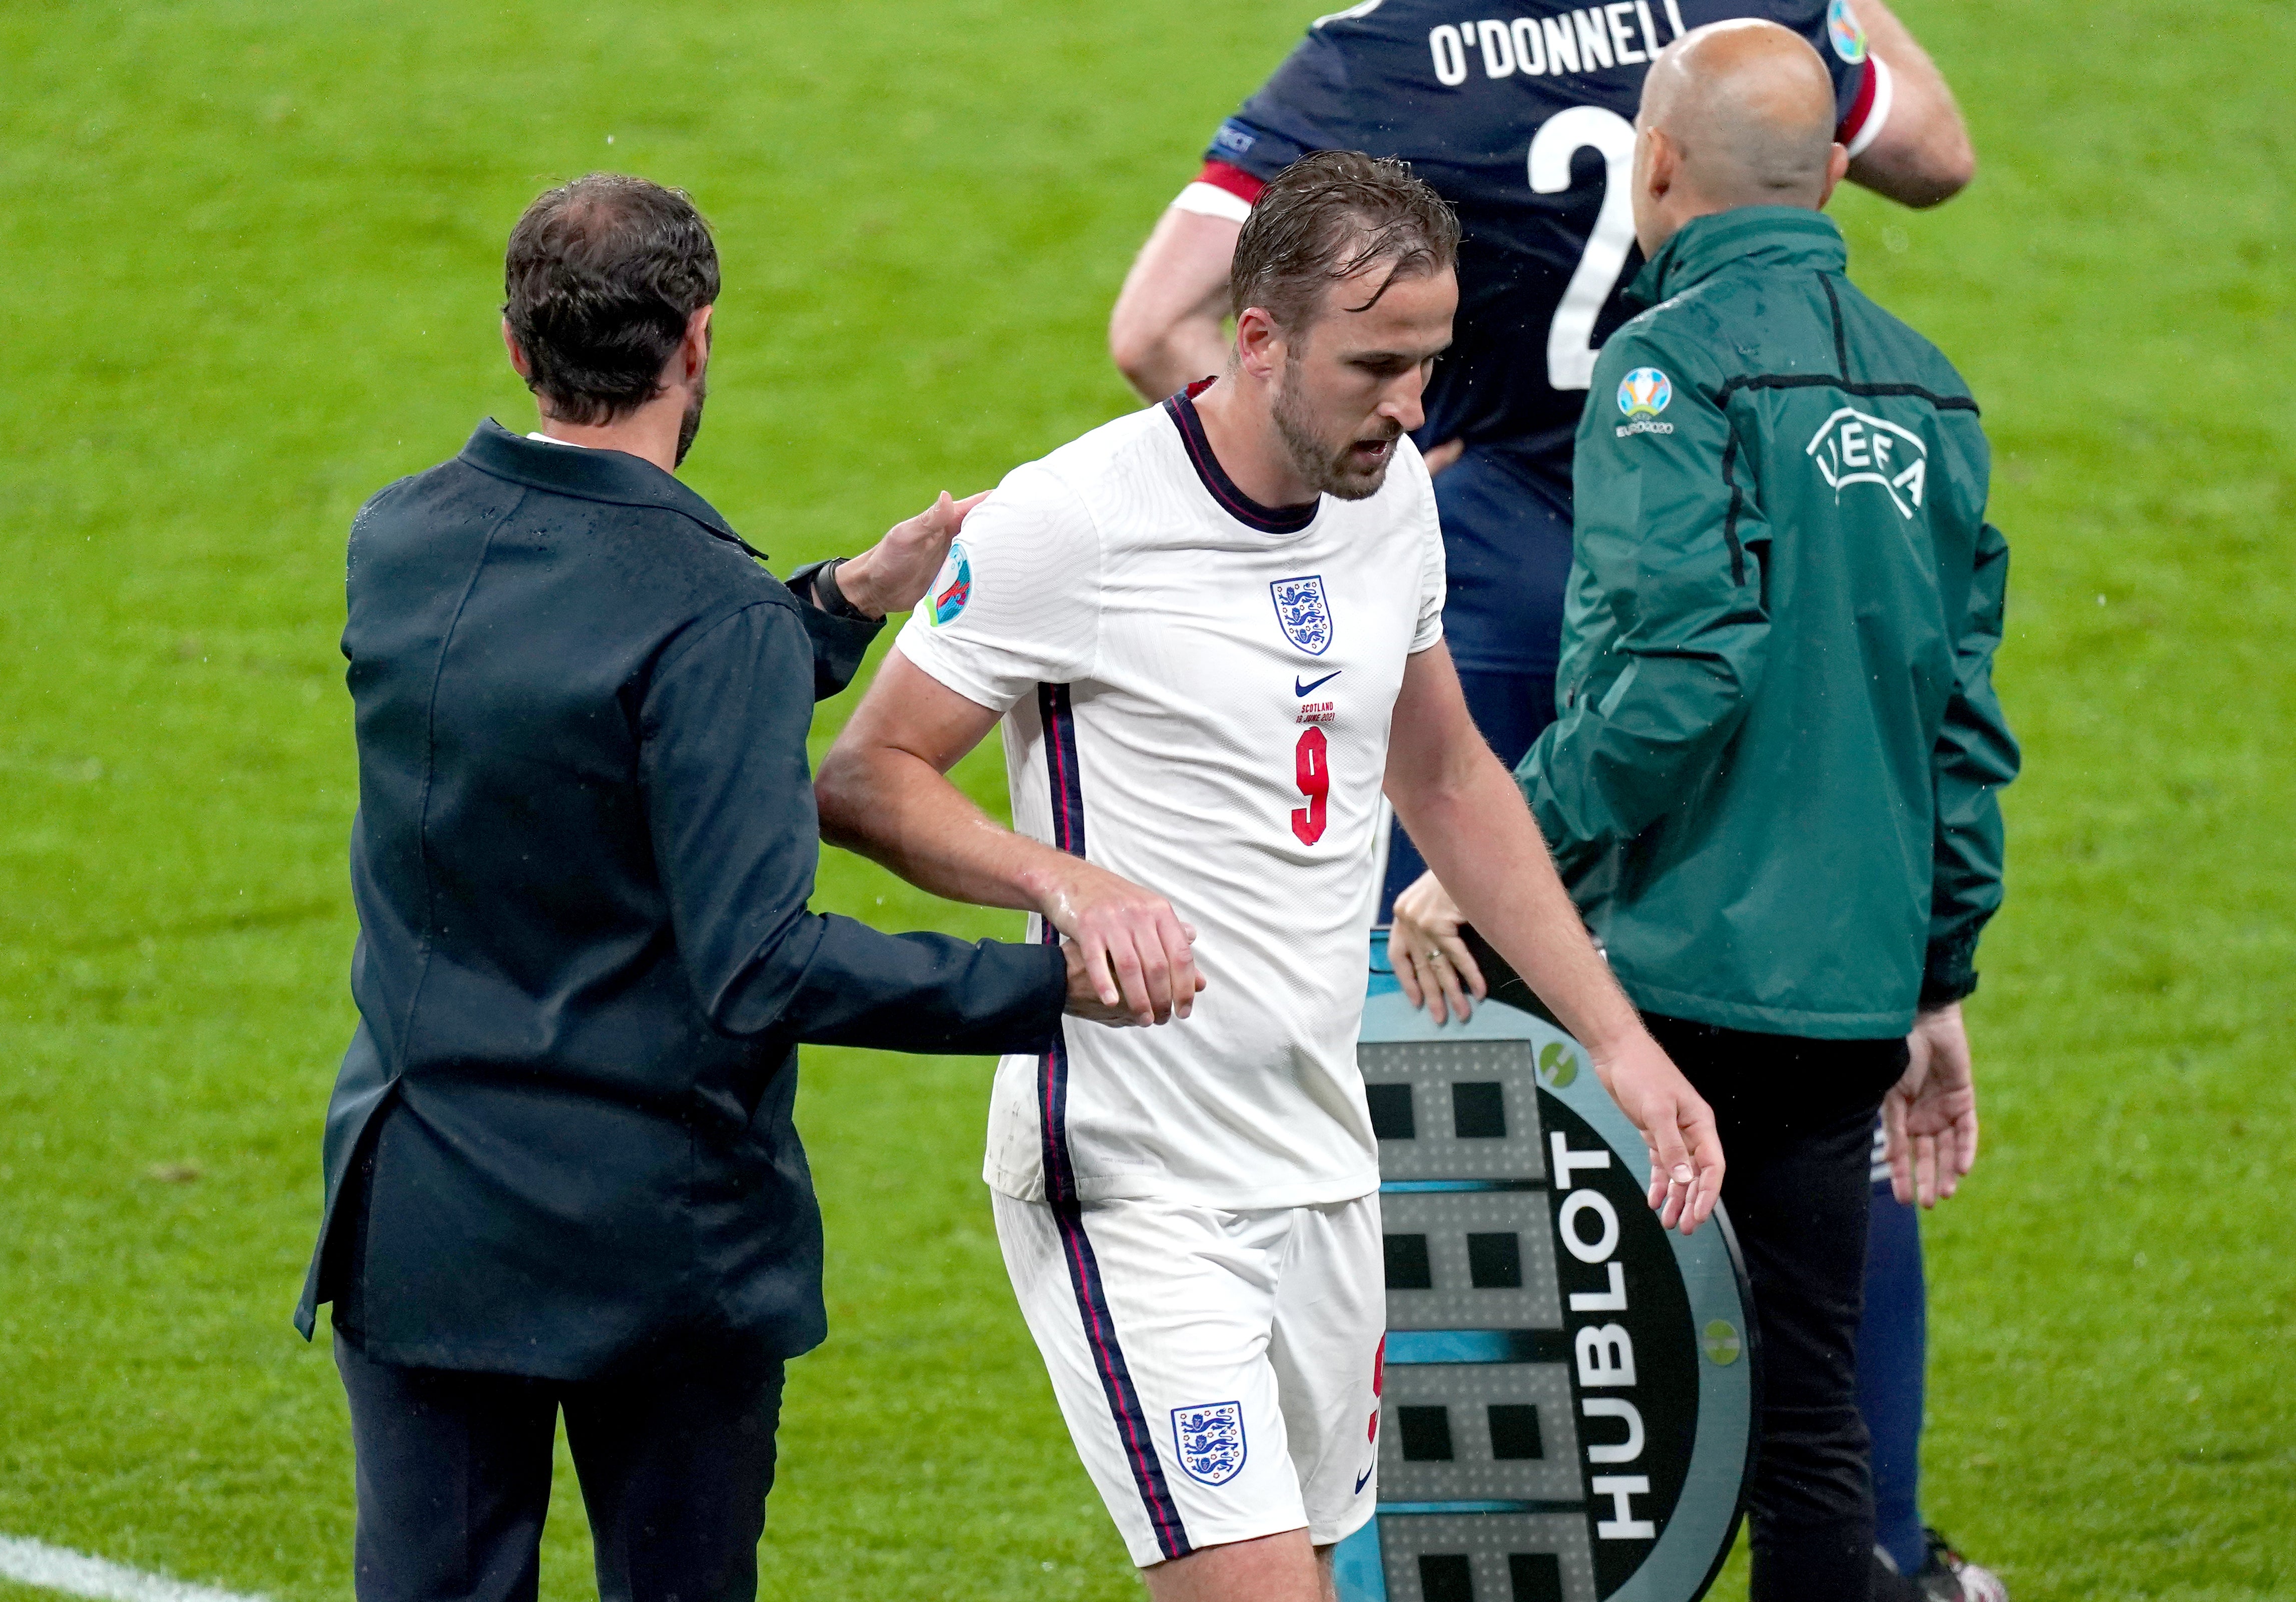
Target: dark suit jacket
(560, 1138)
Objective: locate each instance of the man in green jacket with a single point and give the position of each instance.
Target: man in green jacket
(1772, 784)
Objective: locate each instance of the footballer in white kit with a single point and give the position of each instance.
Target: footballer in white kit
(1196, 691)
(1199, 691)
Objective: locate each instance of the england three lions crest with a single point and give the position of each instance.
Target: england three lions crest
(1304, 612)
(1210, 1440)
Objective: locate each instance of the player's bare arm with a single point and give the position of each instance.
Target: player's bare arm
(883, 791)
(1167, 329)
(1922, 155)
(1470, 824)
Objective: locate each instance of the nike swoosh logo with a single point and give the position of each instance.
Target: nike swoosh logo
(1309, 689)
(1362, 1477)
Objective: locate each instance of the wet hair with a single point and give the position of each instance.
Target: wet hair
(1328, 216)
(599, 281)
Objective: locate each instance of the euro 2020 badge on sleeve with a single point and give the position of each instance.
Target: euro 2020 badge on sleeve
(1845, 32)
(1645, 393)
(1642, 394)
(952, 587)
(1209, 1439)
(1303, 612)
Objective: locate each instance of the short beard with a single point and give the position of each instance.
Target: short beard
(1324, 470)
(690, 424)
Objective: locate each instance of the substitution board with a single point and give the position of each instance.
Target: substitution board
(1566, 1412)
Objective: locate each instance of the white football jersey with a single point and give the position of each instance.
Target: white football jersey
(1196, 693)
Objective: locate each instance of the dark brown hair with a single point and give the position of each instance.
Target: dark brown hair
(600, 279)
(1328, 216)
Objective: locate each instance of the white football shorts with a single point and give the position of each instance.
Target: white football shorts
(1220, 1371)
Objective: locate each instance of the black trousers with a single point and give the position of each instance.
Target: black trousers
(1796, 1123)
(454, 1477)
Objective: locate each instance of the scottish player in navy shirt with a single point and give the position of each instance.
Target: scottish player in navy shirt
(1519, 118)
(1522, 115)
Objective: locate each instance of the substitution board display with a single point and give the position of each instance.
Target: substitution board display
(1566, 1412)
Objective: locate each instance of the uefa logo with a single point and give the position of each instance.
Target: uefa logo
(1645, 393)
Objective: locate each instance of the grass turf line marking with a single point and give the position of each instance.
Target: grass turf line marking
(37, 1563)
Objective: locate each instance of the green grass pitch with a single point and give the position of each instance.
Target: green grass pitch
(249, 261)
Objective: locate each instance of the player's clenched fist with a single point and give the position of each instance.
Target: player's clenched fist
(1130, 954)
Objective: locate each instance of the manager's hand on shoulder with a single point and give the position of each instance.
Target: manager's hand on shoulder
(894, 574)
(1136, 957)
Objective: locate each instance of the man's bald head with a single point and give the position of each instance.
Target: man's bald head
(1736, 113)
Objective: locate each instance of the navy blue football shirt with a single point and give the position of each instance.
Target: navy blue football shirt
(1522, 118)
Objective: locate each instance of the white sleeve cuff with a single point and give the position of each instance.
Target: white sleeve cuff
(1877, 115)
(1210, 200)
(925, 652)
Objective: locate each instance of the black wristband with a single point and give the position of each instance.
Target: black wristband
(1945, 991)
(831, 599)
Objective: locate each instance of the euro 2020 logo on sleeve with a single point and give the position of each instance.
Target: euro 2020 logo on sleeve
(1303, 611)
(952, 587)
(1642, 395)
(1209, 1439)
(1847, 33)
(1645, 393)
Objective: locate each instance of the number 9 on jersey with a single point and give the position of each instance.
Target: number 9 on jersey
(1314, 766)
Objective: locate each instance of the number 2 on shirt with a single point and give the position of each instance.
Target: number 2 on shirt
(1570, 336)
(1313, 761)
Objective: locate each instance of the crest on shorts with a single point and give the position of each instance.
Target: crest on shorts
(1304, 612)
(1209, 1439)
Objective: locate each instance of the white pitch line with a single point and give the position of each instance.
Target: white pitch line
(37, 1563)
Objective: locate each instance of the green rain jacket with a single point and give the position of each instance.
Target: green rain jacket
(1772, 786)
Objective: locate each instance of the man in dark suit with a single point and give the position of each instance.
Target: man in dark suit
(561, 1170)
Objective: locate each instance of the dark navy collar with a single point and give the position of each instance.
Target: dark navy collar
(1234, 502)
(613, 476)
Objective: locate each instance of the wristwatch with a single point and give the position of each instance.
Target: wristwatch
(831, 599)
